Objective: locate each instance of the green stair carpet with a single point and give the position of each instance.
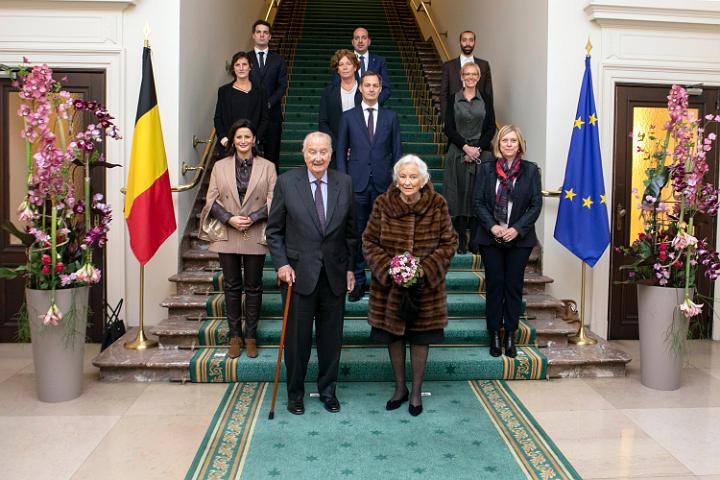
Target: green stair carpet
(476, 430)
(326, 27)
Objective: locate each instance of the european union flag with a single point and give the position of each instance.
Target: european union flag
(582, 222)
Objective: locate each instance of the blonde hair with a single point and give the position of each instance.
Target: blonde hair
(504, 130)
(471, 65)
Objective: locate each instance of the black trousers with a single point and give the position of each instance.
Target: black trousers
(232, 265)
(271, 143)
(364, 202)
(504, 279)
(326, 310)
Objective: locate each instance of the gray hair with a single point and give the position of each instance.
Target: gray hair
(415, 160)
(322, 135)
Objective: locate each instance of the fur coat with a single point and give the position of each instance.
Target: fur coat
(423, 229)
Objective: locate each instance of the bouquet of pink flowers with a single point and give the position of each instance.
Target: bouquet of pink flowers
(405, 269)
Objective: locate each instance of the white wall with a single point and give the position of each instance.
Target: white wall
(211, 32)
(512, 36)
(568, 32)
(190, 41)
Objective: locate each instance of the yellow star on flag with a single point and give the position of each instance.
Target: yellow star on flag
(593, 119)
(587, 202)
(569, 194)
(579, 122)
(602, 199)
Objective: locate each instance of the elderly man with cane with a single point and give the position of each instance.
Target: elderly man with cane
(312, 238)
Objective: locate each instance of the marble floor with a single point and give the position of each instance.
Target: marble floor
(608, 428)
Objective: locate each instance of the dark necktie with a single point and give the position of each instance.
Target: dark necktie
(371, 124)
(262, 60)
(362, 64)
(319, 205)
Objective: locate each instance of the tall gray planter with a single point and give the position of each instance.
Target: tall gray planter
(58, 351)
(658, 317)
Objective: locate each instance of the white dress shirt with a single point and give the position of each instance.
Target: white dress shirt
(365, 107)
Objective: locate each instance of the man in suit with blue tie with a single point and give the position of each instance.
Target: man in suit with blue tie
(368, 145)
(269, 72)
(312, 239)
(369, 62)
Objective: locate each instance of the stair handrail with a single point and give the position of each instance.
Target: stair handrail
(423, 6)
(273, 3)
(198, 169)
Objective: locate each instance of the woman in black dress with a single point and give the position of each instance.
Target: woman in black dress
(240, 99)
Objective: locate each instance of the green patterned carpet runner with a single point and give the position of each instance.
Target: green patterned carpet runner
(469, 430)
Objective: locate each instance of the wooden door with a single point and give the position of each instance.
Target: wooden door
(636, 107)
(85, 84)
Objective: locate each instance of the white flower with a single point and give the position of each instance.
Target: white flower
(53, 316)
(690, 308)
(683, 240)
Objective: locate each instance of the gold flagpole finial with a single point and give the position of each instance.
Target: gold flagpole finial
(146, 33)
(588, 47)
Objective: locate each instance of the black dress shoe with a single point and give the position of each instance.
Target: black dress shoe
(414, 410)
(296, 407)
(495, 348)
(331, 404)
(357, 293)
(395, 404)
(509, 344)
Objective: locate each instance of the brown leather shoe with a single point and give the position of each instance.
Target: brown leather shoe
(251, 346)
(236, 345)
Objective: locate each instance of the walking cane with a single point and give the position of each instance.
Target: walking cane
(280, 351)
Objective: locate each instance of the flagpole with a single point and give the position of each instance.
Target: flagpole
(580, 338)
(141, 342)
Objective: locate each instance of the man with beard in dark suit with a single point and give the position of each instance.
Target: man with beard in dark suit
(312, 238)
(270, 72)
(451, 81)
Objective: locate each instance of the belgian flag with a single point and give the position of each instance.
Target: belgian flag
(148, 202)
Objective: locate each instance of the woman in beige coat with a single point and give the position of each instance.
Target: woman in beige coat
(233, 219)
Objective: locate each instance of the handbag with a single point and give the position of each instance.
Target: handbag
(114, 326)
(409, 307)
(212, 229)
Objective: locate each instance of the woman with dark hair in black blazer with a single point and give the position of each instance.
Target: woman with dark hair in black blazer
(339, 97)
(240, 99)
(507, 204)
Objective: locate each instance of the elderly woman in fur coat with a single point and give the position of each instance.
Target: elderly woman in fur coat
(410, 217)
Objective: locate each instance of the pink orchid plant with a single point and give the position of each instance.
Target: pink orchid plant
(63, 224)
(667, 252)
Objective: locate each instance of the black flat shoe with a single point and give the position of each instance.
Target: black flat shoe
(495, 348)
(296, 407)
(509, 344)
(415, 410)
(357, 293)
(395, 404)
(331, 404)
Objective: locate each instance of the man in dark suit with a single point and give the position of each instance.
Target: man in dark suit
(312, 239)
(269, 71)
(369, 62)
(368, 145)
(451, 82)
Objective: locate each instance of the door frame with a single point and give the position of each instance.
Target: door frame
(92, 84)
(627, 96)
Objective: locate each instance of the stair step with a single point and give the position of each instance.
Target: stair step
(179, 331)
(200, 282)
(356, 364)
(460, 305)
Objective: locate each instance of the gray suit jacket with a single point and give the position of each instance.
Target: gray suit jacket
(294, 236)
(451, 81)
